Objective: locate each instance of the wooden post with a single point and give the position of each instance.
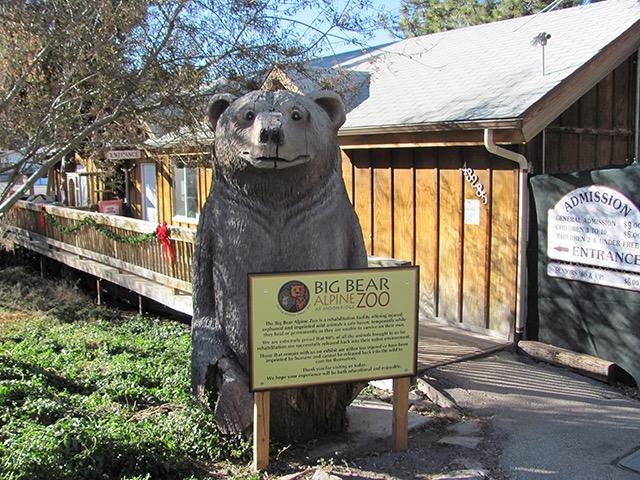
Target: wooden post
(400, 426)
(261, 430)
(41, 266)
(99, 290)
(140, 304)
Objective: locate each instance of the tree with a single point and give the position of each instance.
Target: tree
(421, 17)
(84, 75)
(79, 76)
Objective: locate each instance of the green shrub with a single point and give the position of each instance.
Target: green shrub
(103, 397)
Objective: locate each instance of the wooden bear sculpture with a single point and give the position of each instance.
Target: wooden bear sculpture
(277, 203)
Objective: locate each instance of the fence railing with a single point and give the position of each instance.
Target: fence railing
(124, 243)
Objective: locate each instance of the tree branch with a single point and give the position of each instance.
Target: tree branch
(70, 146)
(19, 83)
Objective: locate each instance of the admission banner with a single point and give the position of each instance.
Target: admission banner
(584, 263)
(595, 226)
(311, 328)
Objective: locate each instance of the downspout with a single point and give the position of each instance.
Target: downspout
(523, 201)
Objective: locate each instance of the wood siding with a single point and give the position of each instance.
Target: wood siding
(410, 203)
(597, 130)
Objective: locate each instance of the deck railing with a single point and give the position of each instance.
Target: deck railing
(145, 259)
(96, 243)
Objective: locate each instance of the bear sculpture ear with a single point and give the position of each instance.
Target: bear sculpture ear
(217, 106)
(332, 104)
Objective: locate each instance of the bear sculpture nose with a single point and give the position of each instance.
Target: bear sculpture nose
(271, 135)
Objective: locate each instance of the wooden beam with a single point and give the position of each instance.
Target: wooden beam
(261, 423)
(400, 426)
(133, 224)
(620, 132)
(588, 365)
(99, 291)
(567, 92)
(428, 139)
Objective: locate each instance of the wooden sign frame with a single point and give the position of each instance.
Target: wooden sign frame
(401, 382)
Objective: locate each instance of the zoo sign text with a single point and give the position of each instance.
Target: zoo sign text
(310, 328)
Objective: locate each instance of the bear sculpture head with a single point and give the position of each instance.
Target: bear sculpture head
(268, 139)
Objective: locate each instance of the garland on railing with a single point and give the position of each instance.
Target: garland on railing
(162, 232)
(90, 222)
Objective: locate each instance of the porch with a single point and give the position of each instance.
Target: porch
(126, 252)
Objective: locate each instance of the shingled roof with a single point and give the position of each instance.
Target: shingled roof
(490, 76)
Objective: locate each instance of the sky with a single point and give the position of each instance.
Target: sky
(337, 45)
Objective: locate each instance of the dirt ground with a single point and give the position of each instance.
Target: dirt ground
(425, 458)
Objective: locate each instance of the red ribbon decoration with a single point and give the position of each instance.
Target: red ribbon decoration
(162, 234)
(43, 220)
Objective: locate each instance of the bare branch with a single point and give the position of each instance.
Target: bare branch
(44, 168)
(19, 83)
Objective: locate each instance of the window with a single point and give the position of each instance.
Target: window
(185, 192)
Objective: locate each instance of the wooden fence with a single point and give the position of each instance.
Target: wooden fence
(35, 230)
(97, 246)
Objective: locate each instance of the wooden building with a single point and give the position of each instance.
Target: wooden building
(440, 137)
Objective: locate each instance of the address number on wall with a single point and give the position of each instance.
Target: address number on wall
(472, 178)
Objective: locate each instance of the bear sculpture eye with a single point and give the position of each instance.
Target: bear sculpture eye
(249, 115)
(296, 115)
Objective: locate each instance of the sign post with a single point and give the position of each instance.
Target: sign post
(400, 425)
(315, 328)
(261, 419)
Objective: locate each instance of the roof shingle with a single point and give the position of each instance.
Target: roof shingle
(485, 72)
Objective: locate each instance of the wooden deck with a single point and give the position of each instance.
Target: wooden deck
(441, 344)
(142, 268)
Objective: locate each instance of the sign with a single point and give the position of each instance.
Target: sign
(471, 212)
(123, 154)
(599, 276)
(311, 328)
(110, 207)
(596, 226)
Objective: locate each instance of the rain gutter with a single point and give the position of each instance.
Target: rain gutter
(507, 123)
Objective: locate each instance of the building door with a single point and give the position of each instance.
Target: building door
(149, 192)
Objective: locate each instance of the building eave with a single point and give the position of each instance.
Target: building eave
(539, 115)
(453, 126)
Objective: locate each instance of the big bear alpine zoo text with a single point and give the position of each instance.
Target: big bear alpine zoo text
(354, 325)
(594, 237)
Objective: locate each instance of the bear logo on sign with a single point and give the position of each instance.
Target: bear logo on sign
(293, 296)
